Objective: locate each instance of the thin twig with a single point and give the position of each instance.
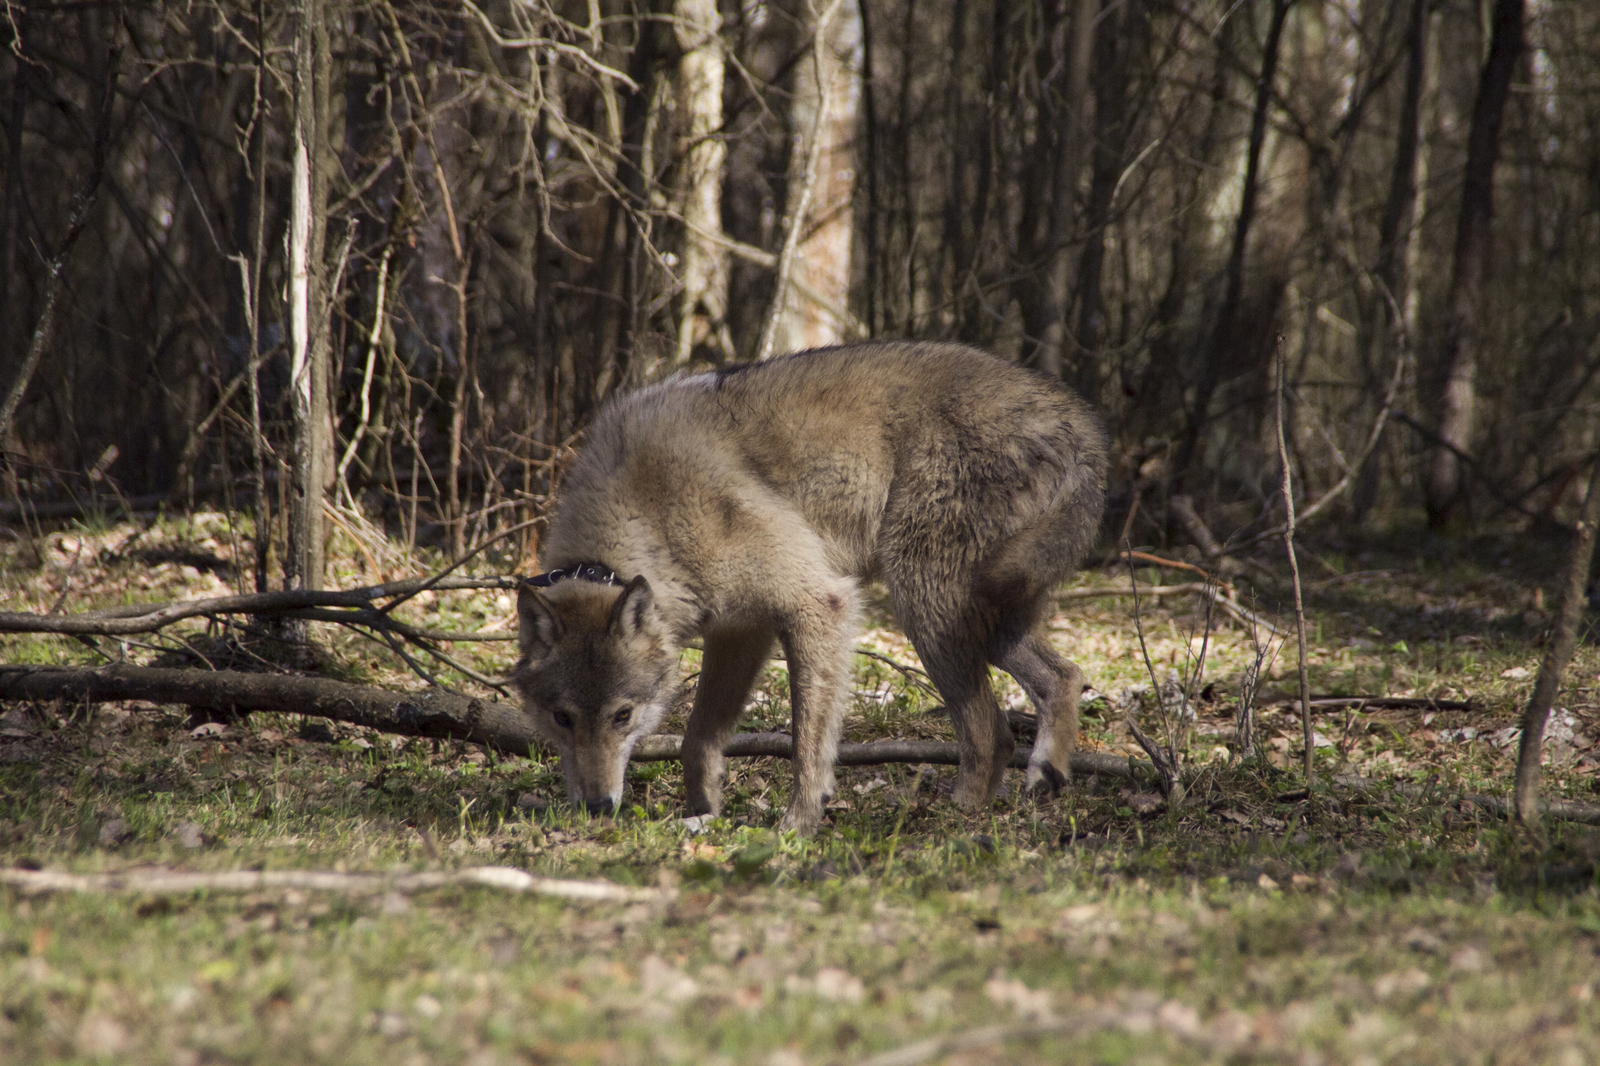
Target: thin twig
(915, 675)
(1294, 571)
(1171, 564)
(1166, 763)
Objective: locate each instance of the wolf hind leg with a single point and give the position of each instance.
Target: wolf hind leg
(1055, 686)
(983, 736)
(727, 671)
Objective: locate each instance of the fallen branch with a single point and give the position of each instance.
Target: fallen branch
(131, 505)
(359, 603)
(1171, 564)
(1381, 702)
(181, 882)
(666, 746)
(1182, 507)
(1192, 589)
(432, 713)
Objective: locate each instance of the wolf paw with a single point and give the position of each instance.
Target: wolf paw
(1044, 780)
(803, 822)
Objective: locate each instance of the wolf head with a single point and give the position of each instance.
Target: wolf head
(594, 676)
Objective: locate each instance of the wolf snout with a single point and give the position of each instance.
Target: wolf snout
(601, 806)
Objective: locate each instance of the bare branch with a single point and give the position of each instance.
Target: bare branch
(161, 882)
(1294, 571)
(147, 618)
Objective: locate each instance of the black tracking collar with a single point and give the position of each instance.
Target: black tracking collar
(595, 572)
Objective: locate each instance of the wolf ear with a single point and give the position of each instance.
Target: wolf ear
(538, 628)
(635, 610)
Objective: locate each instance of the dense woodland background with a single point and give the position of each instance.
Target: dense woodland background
(388, 257)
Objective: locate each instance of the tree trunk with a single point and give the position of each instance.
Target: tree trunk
(1225, 333)
(703, 306)
(818, 218)
(1161, 387)
(614, 356)
(873, 232)
(310, 407)
(1458, 352)
(1400, 212)
(955, 249)
(1044, 300)
(1121, 43)
(1558, 652)
(11, 303)
(83, 202)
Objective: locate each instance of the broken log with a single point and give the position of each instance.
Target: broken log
(430, 713)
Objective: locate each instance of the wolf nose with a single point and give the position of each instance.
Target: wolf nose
(604, 806)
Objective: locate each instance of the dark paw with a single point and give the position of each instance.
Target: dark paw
(1051, 782)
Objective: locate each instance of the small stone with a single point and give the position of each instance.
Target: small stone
(188, 835)
(115, 833)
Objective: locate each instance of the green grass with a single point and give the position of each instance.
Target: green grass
(1255, 923)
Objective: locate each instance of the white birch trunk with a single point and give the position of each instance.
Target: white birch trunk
(827, 95)
(303, 562)
(703, 303)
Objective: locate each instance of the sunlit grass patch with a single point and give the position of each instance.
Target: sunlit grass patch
(1257, 920)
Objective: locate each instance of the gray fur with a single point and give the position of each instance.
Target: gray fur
(748, 505)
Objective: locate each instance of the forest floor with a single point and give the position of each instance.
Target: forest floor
(1255, 921)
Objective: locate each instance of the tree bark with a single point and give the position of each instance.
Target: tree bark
(818, 218)
(1400, 212)
(1120, 44)
(1558, 652)
(310, 405)
(1446, 495)
(1044, 297)
(44, 327)
(703, 305)
(1224, 334)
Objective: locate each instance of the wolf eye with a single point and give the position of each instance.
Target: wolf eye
(622, 716)
(563, 719)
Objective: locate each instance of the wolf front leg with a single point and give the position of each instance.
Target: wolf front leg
(728, 669)
(818, 644)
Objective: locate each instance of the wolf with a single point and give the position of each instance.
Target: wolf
(747, 506)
